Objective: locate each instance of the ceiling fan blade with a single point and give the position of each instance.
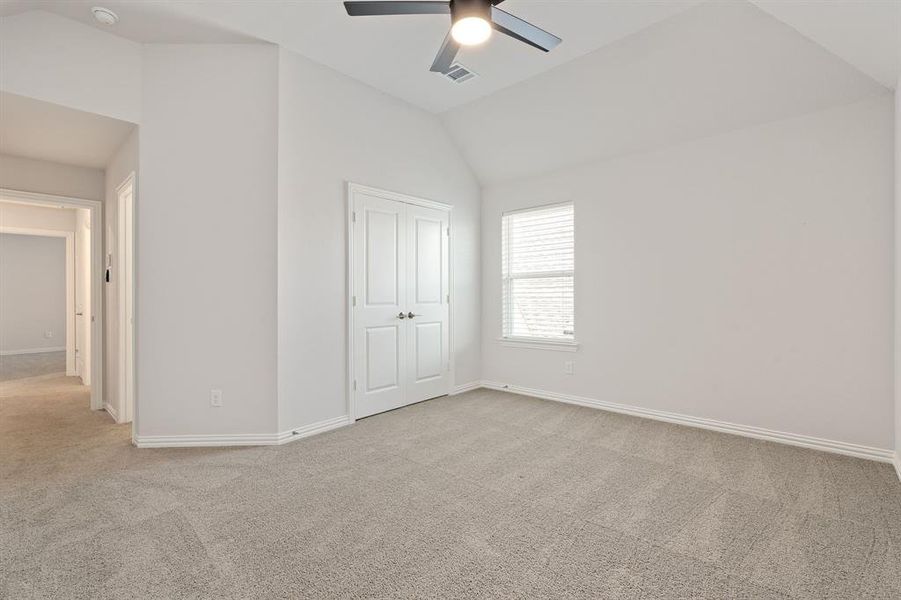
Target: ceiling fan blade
(446, 55)
(523, 31)
(397, 7)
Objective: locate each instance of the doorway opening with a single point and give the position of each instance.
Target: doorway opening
(57, 158)
(51, 314)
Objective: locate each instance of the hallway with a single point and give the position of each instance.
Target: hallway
(48, 432)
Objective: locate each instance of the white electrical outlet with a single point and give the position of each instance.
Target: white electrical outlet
(568, 367)
(48, 334)
(215, 397)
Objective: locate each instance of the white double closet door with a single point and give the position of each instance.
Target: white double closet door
(401, 304)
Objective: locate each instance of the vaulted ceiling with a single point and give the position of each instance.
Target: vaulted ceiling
(630, 75)
(393, 54)
(717, 67)
(866, 33)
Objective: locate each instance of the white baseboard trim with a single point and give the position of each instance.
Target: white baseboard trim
(190, 441)
(316, 428)
(792, 439)
(239, 439)
(897, 463)
(112, 411)
(32, 351)
(466, 387)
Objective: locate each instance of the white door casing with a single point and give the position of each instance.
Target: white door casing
(125, 284)
(399, 313)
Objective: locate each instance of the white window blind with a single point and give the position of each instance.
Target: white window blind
(538, 272)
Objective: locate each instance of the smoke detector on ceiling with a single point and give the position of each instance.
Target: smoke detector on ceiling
(104, 16)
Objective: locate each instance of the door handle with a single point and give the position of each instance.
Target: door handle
(79, 314)
(401, 315)
(410, 315)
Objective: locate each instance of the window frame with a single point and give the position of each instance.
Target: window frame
(540, 343)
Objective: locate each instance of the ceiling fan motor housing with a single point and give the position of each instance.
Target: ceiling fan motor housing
(460, 9)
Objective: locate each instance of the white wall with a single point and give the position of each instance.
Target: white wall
(745, 277)
(51, 58)
(24, 216)
(121, 165)
(206, 240)
(28, 175)
(332, 130)
(898, 274)
(32, 293)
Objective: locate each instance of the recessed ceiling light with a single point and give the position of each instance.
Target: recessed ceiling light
(104, 16)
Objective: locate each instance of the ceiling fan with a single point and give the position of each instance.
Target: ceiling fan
(471, 23)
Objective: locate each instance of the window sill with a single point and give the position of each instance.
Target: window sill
(537, 344)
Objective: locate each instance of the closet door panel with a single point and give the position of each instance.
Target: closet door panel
(427, 301)
(380, 284)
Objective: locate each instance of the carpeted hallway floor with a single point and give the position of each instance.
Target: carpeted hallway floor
(484, 495)
(20, 366)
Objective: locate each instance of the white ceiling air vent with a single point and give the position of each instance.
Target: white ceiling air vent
(458, 73)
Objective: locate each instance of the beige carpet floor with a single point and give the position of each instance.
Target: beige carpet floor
(20, 366)
(484, 495)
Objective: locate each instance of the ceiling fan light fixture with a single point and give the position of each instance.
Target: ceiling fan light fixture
(471, 31)
(472, 22)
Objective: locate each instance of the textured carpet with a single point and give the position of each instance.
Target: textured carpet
(484, 495)
(21, 366)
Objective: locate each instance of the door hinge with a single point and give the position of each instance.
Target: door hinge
(448, 298)
(353, 301)
(355, 385)
(353, 216)
(448, 232)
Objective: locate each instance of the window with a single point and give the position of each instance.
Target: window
(538, 272)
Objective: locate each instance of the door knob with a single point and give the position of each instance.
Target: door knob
(401, 315)
(410, 315)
